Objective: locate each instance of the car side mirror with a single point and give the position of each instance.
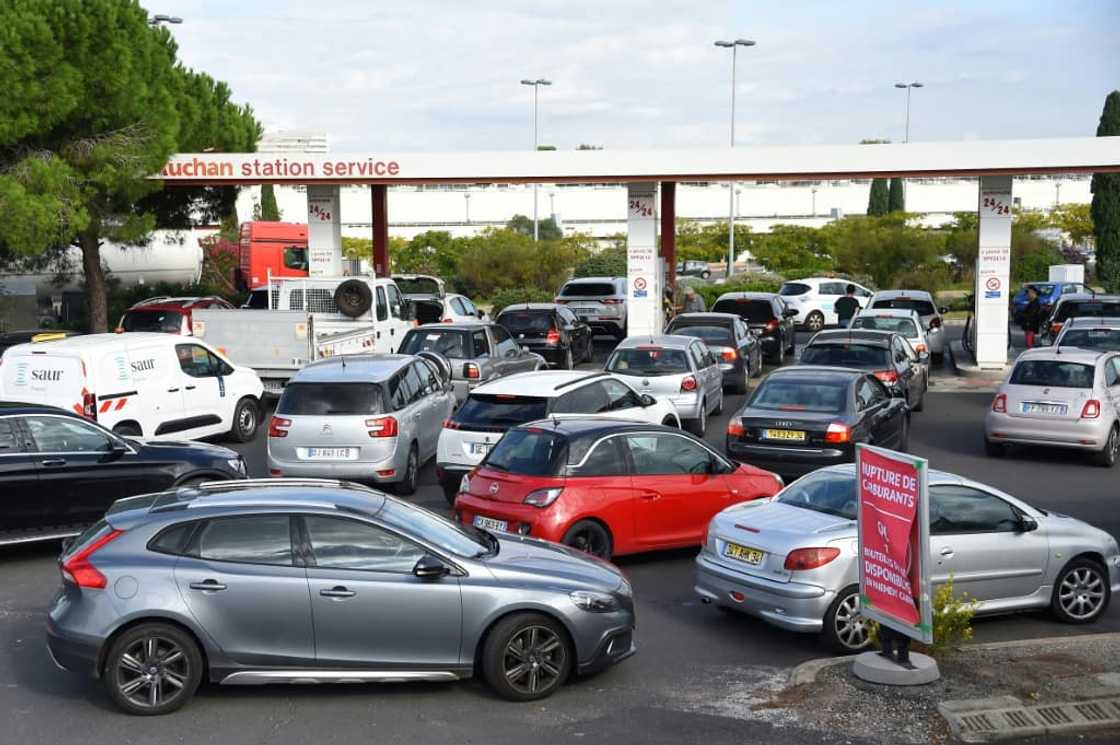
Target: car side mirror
(525, 349)
(67, 543)
(648, 400)
(898, 393)
(943, 310)
(430, 567)
(1027, 524)
(789, 313)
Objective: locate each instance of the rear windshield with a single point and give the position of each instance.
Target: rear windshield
(450, 343)
(846, 355)
(258, 300)
(501, 411)
(165, 321)
(1087, 308)
(532, 452)
(522, 321)
(1053, 374)
(922, 307)
(1043, 289)
(588, 289)
(713, 335)
(650, 361)
(753, 311)
(418, 286)
(1104, 339)
(904, 326)
(801, 395)
(328, 399)
(794, 288)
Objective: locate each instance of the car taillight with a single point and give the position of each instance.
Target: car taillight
(543, 497)
(688, 384)
(1055, 327)
(801, 559)
(772, 324)
(80, 571)
(382, 426)
(887, 376)
(1091, 409)
(919, 348)
(735, 428)
(471, 371)
(448, 320)
(935, 323)
(561, 302)
(553, 336)
(89, 406)
(451, 424)
(610, 301)
(838, 432)
(727, 354)
(999, 405)
(278, 426)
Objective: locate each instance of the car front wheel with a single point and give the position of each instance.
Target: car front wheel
(246, 417)
(1081, 592)
(815, 321)
(526, 657)
(152, 669)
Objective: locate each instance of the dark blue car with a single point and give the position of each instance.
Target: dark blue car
(1048, 294)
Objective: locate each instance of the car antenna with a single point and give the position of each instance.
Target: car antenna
(342, 359)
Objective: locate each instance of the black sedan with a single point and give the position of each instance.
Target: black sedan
(800, 419)
(59, 472)
(768, 315)
(552, 331)
(731, 340)
(885, 354)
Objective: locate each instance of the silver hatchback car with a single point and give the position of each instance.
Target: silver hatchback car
(289, 581)
(1062, 397)
(791, 560)
(374, 418)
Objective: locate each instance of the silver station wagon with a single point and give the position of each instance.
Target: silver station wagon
(361, 418)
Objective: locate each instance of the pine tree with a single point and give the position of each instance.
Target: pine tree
(896, 200)
(270, 211)
(879, 201)
(1105, 208)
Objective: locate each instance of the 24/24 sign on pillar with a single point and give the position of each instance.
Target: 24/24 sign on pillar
(893, 518)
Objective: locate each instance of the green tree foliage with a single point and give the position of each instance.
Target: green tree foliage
(547, 229)
(751, 282)
(499, 260)
(708, 241)
(878, 201)
(94, 103)
(1073, 219)
(503, 298)
(793, 251)
(608, 262)
(432, 252)
(1105, 208)
(270, 211)
(896, 196)
(880, 248)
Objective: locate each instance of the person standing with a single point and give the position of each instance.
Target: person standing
(1032, 317)
(693, 303)
(847, 306)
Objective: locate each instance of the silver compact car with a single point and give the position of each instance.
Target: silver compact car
(1062, 397)
(302, 581)
(791, 560)
(373, 418)
(681, 369)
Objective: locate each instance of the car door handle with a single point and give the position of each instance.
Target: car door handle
(53, 462)
(209, 585)
(191, 387)
(947, 551)
(172, 390)
(650, 497)
(338, 592)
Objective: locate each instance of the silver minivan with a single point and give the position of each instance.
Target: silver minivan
(367, 418)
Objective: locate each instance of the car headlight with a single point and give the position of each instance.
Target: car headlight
(625, 589)
(594, 602)
(237, 464)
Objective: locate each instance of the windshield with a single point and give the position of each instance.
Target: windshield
(329, 399)
(716, 336)
(531, 452)
(523, 321)
(163, 321)
(451, 344)
(801, 394)
(257, 300)
(830, 492)
(587, 289)
(500, 411)
(1053, 374)
(904, 326)
(648, 361)
(794, 288)
(846, 355)
(1104, 339)
(436, 529)
(418, 286)
(752, 310)
(922, 307)
(1043, 288)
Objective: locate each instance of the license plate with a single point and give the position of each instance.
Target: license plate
(480, 448)
(789, 435)
(1047, 409)
(489, 523)
(743, 553)
(330, 453)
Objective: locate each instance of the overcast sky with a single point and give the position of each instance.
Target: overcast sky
(443, 75)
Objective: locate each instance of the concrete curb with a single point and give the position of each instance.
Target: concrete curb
(807, 671)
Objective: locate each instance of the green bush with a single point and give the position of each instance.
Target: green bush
(502, 298)
(740, 283)
(952, 622)
(609, 262)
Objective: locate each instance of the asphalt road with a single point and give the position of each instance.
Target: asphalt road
(695, 678)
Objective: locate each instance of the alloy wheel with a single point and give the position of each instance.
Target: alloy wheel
(589, 540)
(851, 626)
(1082, 593)
(815, 322)
(152, 672)
(534, 659)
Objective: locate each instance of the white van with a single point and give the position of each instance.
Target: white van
(137, 384)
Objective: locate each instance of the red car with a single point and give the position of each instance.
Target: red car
(605, 486)
(169, 315)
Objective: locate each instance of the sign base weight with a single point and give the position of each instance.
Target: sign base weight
(872, 667)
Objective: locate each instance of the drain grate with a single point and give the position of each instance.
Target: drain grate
(1018, 721)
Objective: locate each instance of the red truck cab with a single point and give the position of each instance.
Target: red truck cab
(278, 249)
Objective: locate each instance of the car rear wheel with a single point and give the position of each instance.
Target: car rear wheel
(815, 321)
(744, 382)
(845, 628)
(1081, 592)
(590, 537)
(699, 425)
(568, 363)
(246, 417)
(152, 669)
(995, 449)
(407, 484)
(526, 657)
(450, 489)
(904, 436)
(1108, 454)
(921, 403)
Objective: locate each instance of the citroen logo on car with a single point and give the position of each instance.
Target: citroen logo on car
(494, 488)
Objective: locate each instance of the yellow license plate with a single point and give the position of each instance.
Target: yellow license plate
(742, 553)
(792, 435)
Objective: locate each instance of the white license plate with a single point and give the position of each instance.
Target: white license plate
(1046, 409)
(330, 454)
(489, 523)
(480, 448)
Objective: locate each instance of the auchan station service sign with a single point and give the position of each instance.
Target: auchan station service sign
(893, 518)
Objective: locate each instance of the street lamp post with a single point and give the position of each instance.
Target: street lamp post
(536, 84)
(467, 201)
(908, 87)
(161, 18)
(552, 204)
(814, 193)
(734, 47)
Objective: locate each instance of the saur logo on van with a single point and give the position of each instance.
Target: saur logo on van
(46, 375)
(143, 365)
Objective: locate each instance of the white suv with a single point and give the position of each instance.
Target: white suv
(507, 402)
(815, 298)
